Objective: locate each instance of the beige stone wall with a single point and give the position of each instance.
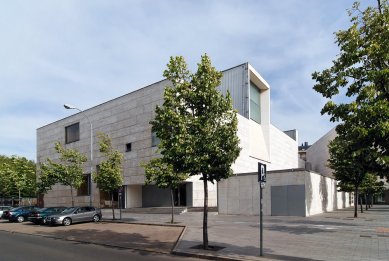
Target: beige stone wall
(126, 120)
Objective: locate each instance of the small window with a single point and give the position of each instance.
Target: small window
(84, 189)
(72, 133)
(154, 140)
(128, 147)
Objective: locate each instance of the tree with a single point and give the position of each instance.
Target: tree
(109, 176)
(197, 126)
(347, 166)
(361, 72)
(163, 176)
(17, 177)
(68, 171)
(370, 187)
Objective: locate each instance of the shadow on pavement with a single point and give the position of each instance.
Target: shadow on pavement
(298, 230)
(234, 252)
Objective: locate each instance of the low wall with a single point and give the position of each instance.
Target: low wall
(239, 194)
(322, 195)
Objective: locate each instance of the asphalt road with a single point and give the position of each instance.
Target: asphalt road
(16, 247)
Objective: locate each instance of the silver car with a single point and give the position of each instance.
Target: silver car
(75, 215)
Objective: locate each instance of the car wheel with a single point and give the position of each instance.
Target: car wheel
(67, 221)
(96, 218)
(20, 219)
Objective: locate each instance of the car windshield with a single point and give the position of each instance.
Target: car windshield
(68, 210)
(15, 209)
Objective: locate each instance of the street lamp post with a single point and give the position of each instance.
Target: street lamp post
(70, 107)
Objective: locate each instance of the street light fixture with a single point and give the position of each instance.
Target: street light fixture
(71, 107)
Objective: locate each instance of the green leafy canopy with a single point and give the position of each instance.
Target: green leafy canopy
(196, 124)
(68, 170)
(361, 72)
(109, 176)
(17, 174)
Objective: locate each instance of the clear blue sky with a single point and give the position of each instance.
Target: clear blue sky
(87, 52)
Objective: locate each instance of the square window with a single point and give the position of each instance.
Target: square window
(72, 133)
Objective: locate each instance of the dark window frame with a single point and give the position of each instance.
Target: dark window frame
(72, 133)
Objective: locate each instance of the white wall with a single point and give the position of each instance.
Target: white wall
(318, 154)
(322, 195)
(239, 195)
(198, 192)
(253, 145)
(134, 196)
(283, 150)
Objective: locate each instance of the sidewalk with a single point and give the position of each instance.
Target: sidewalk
(330, 236)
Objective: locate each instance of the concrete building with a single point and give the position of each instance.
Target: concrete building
(305, 190)
(126, 120)
(318, 154)
(288, 192)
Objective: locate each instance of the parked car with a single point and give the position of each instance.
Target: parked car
(4, 208)
(18, 214)
(75, 215)
(40, 216)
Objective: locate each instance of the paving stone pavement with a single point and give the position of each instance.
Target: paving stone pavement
(330, 236)
(334, 235)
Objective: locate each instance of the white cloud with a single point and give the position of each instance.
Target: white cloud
(87, 52)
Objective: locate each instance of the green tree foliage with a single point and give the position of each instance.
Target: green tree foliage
(361, 72)
(109, 176)
(17, 177)
(371, 187)
(68, 171)
(197, 125)
(163, 176)
(348, 168)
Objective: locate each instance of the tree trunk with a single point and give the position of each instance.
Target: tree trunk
(205, 214)
(366, 202)
(71, 192)
(172, 201)
(356, 202)
(113, 207)
(360, 201)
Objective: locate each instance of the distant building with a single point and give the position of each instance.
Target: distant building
(302, 150)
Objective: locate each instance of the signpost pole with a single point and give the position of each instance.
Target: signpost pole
(120, 201)
(261, 219)
(262, 182)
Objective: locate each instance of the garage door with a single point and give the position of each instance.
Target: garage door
(288, 200)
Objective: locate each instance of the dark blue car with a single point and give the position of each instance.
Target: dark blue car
(19, 214)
